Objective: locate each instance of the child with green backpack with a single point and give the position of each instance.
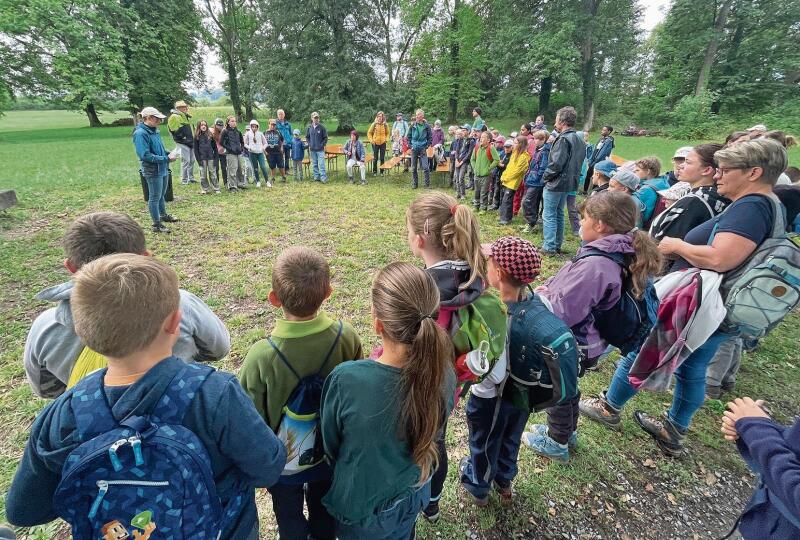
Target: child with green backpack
(446, 236)
(284, 374)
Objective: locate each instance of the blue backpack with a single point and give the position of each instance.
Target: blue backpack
(299, 426)
(141, 474)
(542, 357)
(626, 324)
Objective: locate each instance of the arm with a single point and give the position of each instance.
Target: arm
(50, 354)
(725, 253)
(252, 383)
(196, 146)
(495, 158)
(559, 155)
(143, 150)
(210, 334)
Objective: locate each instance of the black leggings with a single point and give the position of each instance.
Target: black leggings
(440, 474)
(378, 150)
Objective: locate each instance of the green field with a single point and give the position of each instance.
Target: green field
(617, 485)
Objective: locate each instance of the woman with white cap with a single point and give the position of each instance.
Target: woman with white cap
(154, 162)
(256, 143)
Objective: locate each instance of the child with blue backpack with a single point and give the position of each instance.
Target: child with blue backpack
(150, 443)
(495, 416)
(615, 258)
(283, 375)
(297, 153)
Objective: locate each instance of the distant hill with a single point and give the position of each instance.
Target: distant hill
(212, 94)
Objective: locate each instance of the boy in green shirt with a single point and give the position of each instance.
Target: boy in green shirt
(303, 344)
(484, 159)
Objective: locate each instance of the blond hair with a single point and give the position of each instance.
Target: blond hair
(541, 135)
(405, 299)
(119, 302)
(301, 279)
(450, 228)
(765, 153)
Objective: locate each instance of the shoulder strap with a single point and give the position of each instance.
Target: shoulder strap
(333, 346)
(704, 201)
(89, 405)
(324, 362)
(778, 217)
(594, 252)
(175, 401)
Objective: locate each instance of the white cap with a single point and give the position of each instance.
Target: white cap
(675, 192)
(254, 121)
(682, 152)
(758, 127)
(151, 111)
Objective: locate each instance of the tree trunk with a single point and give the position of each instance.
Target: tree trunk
(711, 49)
(233, 85)
(588, 78)
(248, 110)
(91, 113)
(544, 95)
(452, 114)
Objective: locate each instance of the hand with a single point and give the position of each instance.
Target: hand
(669, 245)
(740, 408)
(728, 429)
(172, 158)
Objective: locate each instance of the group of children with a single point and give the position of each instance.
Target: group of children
(358, 439)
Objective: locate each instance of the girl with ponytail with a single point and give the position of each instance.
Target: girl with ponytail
(380, 419)
(446, 236)
(593, 281)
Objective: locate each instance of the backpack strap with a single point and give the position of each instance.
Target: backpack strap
(704, 201)
(595, 252)
(324, 362)
(179, 394)
(92, 412)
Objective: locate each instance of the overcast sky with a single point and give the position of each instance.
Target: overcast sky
(654, 11)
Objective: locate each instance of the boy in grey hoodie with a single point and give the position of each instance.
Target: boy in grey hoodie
(52, 347)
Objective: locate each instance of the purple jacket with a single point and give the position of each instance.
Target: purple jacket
(438, 136)
(582, 286)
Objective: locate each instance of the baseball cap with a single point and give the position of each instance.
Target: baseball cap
(467, 127)
(758, 127)
(508, 142)
(180, 103)
(151, 111)
(399, 114)
(682, 152)
(514, 134)
(500, 139)
(627, 178)
(219, 122)
(675, 192)
(296, 132)
(315, 114)
(516, 256)
(606, 167)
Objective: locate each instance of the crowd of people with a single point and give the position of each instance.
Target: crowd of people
(143, 436)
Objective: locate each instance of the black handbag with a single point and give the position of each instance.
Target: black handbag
(168, 196)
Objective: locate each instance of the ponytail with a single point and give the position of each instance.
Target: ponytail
(647, 261)
(405, 299)
(451, 228)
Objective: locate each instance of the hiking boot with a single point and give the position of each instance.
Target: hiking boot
(480, 502)
(168, 218)
(541, 431)
(665, 432)
(713, 392)
(599, 410)
(431, 512)
(544, 445)
(160, 228)
(504, 493)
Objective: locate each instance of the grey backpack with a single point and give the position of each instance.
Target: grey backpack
(766, 287)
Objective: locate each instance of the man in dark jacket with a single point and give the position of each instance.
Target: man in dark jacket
(180, 127)
(561, 177)
(317, 138)
(602, 151)
(232, 141)
(420, 139)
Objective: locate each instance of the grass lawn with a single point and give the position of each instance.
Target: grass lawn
(617, 485)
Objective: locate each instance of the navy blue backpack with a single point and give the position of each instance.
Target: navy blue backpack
(626, 324)
(142, 474)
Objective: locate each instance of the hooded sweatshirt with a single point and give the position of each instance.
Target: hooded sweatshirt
(588, 284)
(53, 347)
(240, 445)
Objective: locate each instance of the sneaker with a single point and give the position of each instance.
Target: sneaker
(541, 430)
(258, 184)
(160, 228)
(504, 493)
(666, 434)
(431, 512)
(169, 218)
(203, 192)
(350, 179)
(502, 222)
(243, 186)
(283, 179)
(363, 183)
(545, 446)
(269, 184)
(216, 192)
(529, 229)
(480, 502)
(599, 410)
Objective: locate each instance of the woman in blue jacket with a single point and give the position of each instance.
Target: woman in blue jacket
(154, 165)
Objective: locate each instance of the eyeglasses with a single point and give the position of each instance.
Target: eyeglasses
(725, 170)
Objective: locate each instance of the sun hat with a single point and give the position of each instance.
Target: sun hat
(682, 152)
(627, 178)
(516, 256)
(180, 103)
(675, 192)
(151, 111)
(606, 167)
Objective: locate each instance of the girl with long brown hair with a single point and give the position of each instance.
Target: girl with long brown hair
(381, 418)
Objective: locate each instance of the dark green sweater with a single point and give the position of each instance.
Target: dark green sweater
(267, 380)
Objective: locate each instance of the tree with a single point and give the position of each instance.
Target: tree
(713, 43)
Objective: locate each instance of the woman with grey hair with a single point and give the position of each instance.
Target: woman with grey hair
(746, 174)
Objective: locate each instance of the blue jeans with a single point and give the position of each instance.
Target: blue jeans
(318, 163)
(420, 154)
(287, 503)
(493, 449)
(258, 162)
(690, 382)
(157, 188)
(553, 217)
(395, 521)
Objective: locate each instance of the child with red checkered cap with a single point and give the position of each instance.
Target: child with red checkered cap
(495, 423)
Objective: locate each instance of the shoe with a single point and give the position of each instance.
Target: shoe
(243, 186)
(232, 190)
(258, 184)
(599, 410)
(283, 179)
(192, 181)
(713, 392)
(363, 183)
(160, 228)
(480, 502)
(269, 184)
(544, 445)
(203, 192)
(216, 192)
(350, 179)
(168, 218)
(186, 183)
(413, 186)
(529, 229)
(325, 181)
(431, 512)
(505, 493)
(666, 433)
(541, 430)
(502, 222)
